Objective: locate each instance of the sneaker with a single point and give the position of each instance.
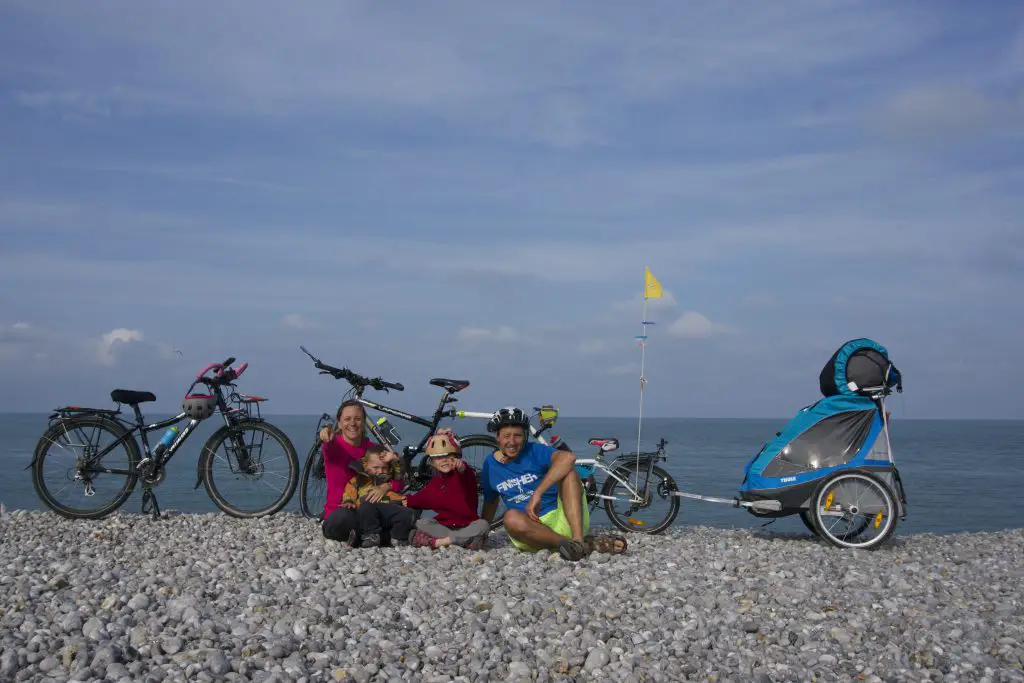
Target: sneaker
(476, 543)
(421, 539)
(370, 540)
(353, 538)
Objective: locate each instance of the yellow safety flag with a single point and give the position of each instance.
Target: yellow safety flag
(652, 288)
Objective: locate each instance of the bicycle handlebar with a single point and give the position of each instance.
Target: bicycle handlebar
(352, 378)
(222, 372)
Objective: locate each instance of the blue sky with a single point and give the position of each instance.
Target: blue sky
(473, 190)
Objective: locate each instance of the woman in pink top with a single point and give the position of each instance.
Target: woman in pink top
(343, 445)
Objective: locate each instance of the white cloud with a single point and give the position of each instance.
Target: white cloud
(572, 69)
(297, 321)
(694, 325)
(935, 111)
(482, 335)
(21, 326)
(592, 347)
(635, 306)
(112, 341)
(625, 369)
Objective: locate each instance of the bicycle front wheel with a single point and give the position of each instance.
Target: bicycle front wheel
(631, 506)
(70, 476)
(313, 488)
(475, 449)
(252, 462)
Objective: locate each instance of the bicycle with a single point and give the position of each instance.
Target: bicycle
(313, 488)
(617, 488)
(91, 463)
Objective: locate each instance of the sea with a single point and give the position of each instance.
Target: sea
(958, 475)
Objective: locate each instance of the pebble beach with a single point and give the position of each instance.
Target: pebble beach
(210, 598)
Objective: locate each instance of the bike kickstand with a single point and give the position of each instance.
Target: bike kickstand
(149, 498)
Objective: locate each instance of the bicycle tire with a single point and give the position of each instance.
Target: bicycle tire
(313, 472)
(491, 443)
(79, 422)
(623, 523)
(206, 466)
(848, 540)
(807, 518)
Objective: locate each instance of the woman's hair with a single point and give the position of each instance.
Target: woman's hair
(346, 404)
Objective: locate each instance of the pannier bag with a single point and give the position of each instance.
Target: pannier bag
(859, 367)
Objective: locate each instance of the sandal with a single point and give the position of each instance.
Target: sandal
(574, 551)
(608, 543)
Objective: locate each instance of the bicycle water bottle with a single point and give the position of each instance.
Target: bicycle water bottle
(389, 433)
(166, 441)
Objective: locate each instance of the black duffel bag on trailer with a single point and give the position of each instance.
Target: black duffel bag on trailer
(859, 367)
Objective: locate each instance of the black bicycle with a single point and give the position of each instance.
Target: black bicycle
(93, 455)
(475, 447)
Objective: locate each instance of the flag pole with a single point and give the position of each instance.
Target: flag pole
(643, 380)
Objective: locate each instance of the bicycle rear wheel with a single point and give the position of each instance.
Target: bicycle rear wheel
(65, 462)
(313, 488)
(239, 462)
(475, 449)
(657, 508)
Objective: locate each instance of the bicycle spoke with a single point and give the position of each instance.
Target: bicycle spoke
(70, 476)
(254, 479)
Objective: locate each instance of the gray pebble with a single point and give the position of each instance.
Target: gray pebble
(728, 605)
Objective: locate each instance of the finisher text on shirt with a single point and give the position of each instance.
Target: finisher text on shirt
(516, 481)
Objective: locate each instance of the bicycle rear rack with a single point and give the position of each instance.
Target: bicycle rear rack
(246, 405)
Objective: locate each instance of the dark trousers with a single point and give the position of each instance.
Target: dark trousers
(387, 520)
(339, 524)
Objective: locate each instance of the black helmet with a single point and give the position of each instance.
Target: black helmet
(509, 415)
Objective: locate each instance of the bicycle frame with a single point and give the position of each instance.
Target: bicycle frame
(534, 432)
(139, 427)
(149, 467)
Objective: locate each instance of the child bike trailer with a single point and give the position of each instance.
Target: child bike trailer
(832, 463)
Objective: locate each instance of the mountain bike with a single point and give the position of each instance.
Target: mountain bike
(475, 447)
(633, 483)
(94, 451)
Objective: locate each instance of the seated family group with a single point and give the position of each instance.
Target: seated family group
(539, 486)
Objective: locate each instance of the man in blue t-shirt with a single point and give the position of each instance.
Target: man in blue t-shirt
(540, 487)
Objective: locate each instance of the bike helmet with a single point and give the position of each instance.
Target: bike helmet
(443, 444)
(509, 415)
(199, 406)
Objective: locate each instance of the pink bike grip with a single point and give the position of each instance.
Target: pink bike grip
(208, 368)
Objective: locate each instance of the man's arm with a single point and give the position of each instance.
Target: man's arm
(490, 507)
(562, 463)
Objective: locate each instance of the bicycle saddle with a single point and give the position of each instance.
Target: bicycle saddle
(606, 445)
(452, 385)
(130, 397)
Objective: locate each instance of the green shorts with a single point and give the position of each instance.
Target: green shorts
(557, 522)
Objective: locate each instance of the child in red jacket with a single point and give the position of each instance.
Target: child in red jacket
(452, 494)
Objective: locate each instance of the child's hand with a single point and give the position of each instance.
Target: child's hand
(460, 465)
(375, 495)
(389, 456)
(349, 505)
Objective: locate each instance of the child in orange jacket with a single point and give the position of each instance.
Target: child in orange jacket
(378, 516)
